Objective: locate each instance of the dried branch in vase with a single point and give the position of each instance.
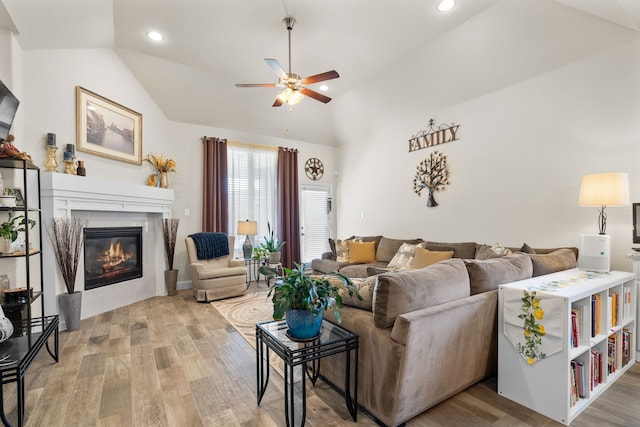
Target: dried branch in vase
(66, 239)
(170, 232)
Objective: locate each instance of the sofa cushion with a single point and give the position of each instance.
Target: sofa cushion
(360, 270)
(404, 291)
(365, 287)
(374, 271)
(326, 265)
(561, 259)
(486, 275)
(527, 249)
(424, 257)
(404, 256)
(465, 250)
(495, 251)
(361, 252)
(387, 248)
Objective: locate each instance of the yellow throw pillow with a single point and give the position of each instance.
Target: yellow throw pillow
(361, 252)
(425, 257)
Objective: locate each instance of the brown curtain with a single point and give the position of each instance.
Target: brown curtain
(288, 206)
(215, 190)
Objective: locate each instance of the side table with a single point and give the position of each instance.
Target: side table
(332, 339)
(253, 269)
(16, 354)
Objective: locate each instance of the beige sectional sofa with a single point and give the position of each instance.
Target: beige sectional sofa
(427, 334)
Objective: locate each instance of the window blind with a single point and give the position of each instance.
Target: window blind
(252, 173)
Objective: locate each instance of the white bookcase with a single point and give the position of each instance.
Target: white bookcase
(545, 386)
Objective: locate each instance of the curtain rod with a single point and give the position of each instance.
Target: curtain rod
(256, 146)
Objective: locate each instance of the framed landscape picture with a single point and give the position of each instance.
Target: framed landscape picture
(107, 129)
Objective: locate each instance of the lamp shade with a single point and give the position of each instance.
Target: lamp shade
(247, 227)
(604, 189)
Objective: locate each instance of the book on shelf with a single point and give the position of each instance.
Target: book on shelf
(596, 369)
(576, 321)
(627, 346)
(612, 353)
(626, 304)
(595, 315)
(613, 309)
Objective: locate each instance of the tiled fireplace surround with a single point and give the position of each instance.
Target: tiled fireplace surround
(106, 203)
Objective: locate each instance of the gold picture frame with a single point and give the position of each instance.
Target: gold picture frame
(107, 129)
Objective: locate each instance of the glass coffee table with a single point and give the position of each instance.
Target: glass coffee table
(17, 353)
(332, 339)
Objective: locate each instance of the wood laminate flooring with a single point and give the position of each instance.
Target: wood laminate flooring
(170, 361)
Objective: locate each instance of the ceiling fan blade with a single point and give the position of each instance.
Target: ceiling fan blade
(255, 85)
(277, 103)
(275, 66)
(315, 95)
(333, 74)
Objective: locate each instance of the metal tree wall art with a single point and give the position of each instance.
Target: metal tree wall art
(432, 174)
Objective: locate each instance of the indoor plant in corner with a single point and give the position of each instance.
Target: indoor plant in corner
(66, 239)
(170, 232)
(305, 298)
(272, 245)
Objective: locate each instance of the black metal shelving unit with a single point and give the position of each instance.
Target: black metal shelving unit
(30, 174)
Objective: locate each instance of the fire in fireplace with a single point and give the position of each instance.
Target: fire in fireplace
(111, 255)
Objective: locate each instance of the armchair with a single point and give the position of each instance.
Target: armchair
(216, 278)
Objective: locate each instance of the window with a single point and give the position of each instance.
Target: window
(253, 174)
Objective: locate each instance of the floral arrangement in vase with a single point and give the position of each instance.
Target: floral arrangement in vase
(163, 166)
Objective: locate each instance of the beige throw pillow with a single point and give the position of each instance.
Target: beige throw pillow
(424, 257)
(404, 257)
(342, 251)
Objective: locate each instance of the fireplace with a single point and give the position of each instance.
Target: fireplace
(111, 255)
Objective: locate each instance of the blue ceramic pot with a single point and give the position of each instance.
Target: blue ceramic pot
(304, 324)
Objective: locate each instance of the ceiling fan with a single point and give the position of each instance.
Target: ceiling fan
(293, 85)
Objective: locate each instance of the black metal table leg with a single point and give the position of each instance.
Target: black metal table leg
(3, 416)
(20, 393)
(352, 404)
(262, 367)
(289, 396)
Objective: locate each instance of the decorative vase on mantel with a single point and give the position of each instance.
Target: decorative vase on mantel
(164, 179)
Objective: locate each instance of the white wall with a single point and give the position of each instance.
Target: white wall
(515, 172)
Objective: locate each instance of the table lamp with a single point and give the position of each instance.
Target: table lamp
(250, 228)
(600, 190)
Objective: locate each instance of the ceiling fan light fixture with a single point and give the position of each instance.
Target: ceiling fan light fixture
(446, 5)
(290, 96)
(295, 97)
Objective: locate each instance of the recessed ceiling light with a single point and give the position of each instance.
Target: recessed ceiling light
(324, 88)
(155, 36)
(446, 5)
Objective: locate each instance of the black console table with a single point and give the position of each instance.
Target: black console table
(17, 353)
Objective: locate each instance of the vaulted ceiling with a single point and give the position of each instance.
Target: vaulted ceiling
(212, 44)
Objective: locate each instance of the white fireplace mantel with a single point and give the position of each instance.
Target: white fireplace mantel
(100, 200)
(72, 192)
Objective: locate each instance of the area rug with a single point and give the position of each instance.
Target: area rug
(245, 311)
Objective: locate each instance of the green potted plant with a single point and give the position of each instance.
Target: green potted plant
(272, 246)
(303, 299)
(10, 228)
